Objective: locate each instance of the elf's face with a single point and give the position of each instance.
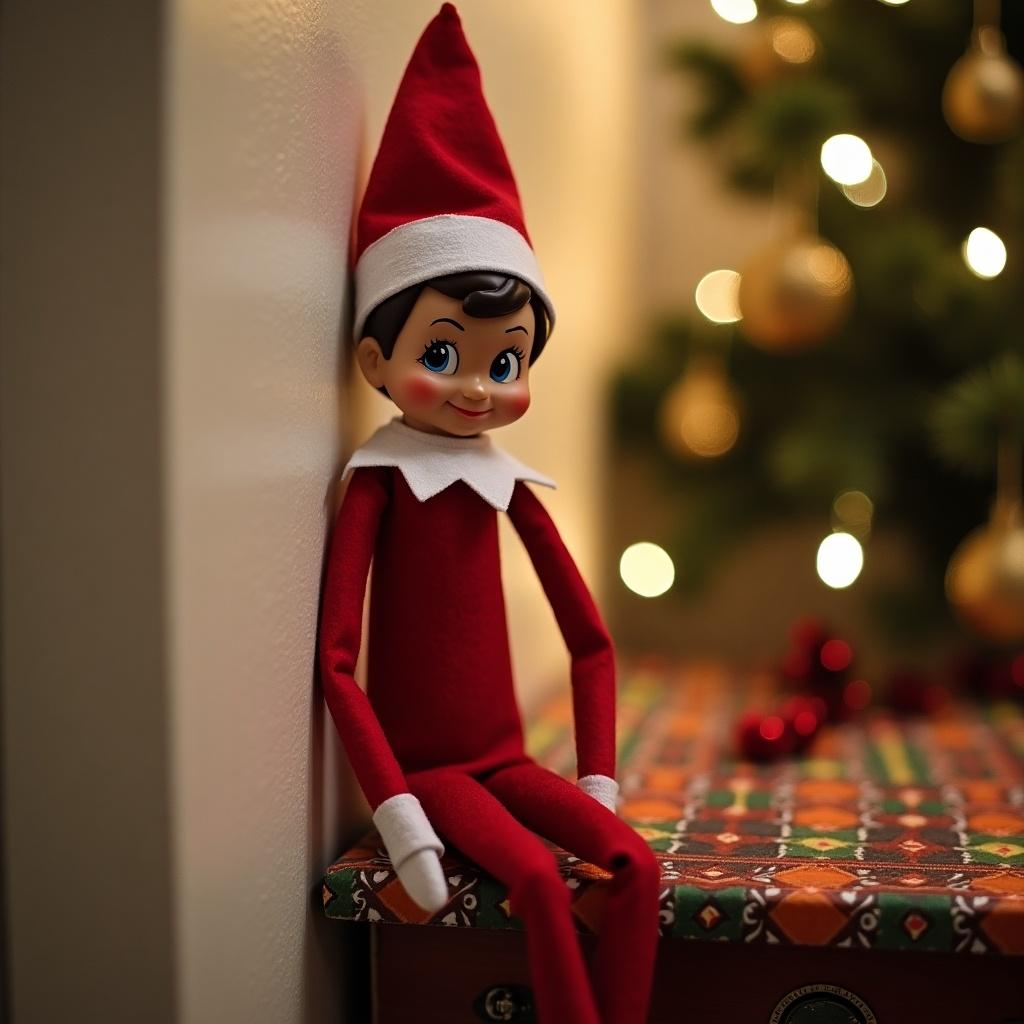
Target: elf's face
(451, 373)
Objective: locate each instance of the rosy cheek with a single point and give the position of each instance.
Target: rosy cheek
(419, 390)
(518, 402)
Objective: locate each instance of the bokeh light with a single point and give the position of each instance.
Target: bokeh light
(984, 253)
(647, 569)
(718, 296)
(828, 269)
(700, 415)
(739, 12)
(709, 425)
(792, 40)
(869, 192)
(805, 723)
(836, 655)
(1017, 671)
(857, 694)
(771, 728)
(854, 511)
(840, 560)
(847, 159)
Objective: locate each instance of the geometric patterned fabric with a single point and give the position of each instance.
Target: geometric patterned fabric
(890, 833)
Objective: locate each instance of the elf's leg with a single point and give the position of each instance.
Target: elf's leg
(465, 814)
(557, 810)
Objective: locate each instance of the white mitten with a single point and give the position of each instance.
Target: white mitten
(414, 849)
(603, 789)
(423, 878)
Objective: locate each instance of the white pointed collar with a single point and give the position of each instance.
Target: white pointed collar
(432, 462)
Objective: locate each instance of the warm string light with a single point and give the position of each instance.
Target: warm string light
(718, 296)
(647, 569)
(984, 253)
(869, 192)
(847, 159)
(840, 560)
(739, 12)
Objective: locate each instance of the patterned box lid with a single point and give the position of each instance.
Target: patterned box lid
(889, 834)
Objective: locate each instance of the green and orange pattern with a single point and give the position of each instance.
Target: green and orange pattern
(890, 834)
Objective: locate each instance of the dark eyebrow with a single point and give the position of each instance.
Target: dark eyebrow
(447, 320)
(519, 328)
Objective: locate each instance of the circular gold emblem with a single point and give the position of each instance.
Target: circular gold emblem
(822, 1004)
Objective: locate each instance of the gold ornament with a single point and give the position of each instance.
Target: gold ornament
(983, 98)
(985, 579)
(700, 415)
(793, 294)
(784, 47)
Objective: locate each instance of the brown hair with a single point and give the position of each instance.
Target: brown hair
(483, 294)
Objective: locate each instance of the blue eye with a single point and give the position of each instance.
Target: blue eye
(505, 366)
(440, 357)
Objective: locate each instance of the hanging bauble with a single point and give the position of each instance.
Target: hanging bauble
(983, 98)
(700, 416)
(794, 294)
(985, 578)
(784, 47)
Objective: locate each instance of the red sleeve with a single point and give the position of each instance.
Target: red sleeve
(348, 565)
(593, 657)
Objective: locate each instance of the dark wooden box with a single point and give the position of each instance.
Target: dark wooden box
(428, 976)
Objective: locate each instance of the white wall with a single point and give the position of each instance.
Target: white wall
(262, 138)
(690, 221)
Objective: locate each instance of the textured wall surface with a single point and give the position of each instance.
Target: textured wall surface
(261, 147)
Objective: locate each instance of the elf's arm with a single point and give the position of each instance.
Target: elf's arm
(585, 635)
(410, 840)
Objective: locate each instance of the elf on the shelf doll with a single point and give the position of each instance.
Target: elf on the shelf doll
(451, 313)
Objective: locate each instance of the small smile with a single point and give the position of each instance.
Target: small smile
(467, 412)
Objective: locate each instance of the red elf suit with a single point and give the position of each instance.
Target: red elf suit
(436, 741)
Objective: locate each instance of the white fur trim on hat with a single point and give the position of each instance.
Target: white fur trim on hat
(436, 246)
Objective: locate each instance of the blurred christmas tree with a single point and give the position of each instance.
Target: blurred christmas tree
(874, 378)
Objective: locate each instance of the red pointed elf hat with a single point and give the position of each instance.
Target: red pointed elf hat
(441, 198)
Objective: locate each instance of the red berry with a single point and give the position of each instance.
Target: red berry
(836, 655)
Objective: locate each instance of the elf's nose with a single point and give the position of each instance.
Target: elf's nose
(474, 389)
